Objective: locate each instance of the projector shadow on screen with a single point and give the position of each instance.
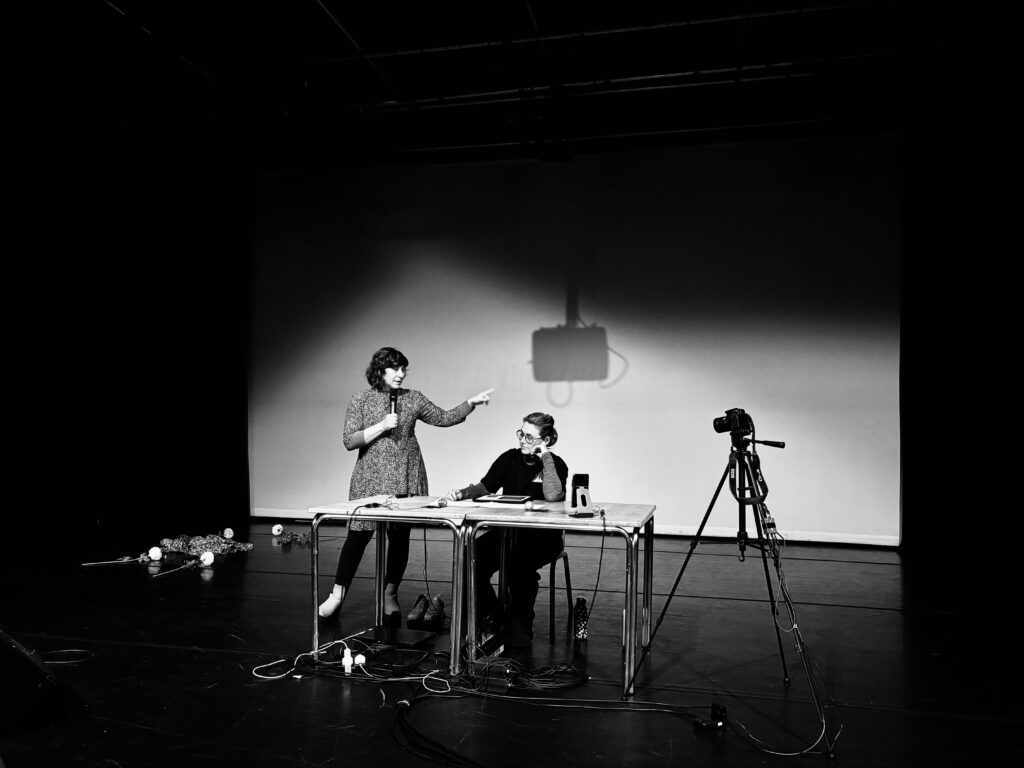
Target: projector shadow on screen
(570, 354)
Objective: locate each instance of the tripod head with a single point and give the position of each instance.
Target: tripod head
(740, 443)
(738, 423)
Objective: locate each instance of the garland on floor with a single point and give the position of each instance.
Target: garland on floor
(197, 545)
(201, 551)
(283, 538)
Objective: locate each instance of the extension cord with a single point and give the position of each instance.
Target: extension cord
(495, 677)
(492, 647)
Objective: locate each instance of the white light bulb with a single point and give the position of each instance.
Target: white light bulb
(206, 558)
(155, 553)
(277, 530)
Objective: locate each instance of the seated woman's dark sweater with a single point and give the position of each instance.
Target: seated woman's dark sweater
(515, 473)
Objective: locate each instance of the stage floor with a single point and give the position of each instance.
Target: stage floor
(206, 666)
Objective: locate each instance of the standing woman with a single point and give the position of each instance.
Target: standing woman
(381, 423)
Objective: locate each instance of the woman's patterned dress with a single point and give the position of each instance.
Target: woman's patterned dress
(392, 464)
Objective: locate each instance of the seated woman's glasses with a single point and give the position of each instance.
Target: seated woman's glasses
(528, 439)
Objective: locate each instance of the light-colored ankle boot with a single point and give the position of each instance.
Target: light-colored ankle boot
(333, 602)
(392, 610)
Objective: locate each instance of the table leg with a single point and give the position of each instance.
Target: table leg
(470, 546)
(502, 579)
(458, 592)
(629, 631)
(648, 581)
(315, 556)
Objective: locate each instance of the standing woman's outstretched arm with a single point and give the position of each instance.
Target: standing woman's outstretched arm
(438, 417)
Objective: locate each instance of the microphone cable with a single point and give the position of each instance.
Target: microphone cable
(600, 559)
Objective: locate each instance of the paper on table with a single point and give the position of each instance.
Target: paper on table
(394, 503)
(502, 505)
(497, 505)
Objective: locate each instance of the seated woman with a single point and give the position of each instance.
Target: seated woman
(529, 470)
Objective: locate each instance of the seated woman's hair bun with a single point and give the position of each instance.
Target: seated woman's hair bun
(545, 424)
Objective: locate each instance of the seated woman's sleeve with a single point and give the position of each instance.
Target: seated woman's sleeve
(555, 475)
(473, 491)
(489, 483)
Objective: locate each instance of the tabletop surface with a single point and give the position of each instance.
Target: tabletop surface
(412, 506)
(556, 514)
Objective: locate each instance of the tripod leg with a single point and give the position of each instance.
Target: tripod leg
(693, 545)
(758, 517)
(740, 470)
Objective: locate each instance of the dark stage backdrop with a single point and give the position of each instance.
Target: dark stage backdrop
(134, 209)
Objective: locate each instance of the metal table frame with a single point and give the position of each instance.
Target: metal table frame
(449, 517)
(628, 520)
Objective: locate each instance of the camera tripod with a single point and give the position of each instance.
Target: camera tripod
(748, 487)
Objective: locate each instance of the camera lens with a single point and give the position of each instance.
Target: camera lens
(721, 424)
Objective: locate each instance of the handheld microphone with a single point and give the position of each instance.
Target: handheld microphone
(394, 409)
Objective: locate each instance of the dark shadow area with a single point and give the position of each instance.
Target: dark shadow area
(158, 666)
(134, 380)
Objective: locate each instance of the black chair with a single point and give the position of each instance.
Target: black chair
(564, 557)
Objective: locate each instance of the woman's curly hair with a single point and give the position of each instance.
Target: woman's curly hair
(385, 357)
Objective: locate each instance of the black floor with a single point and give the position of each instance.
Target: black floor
(206, 667)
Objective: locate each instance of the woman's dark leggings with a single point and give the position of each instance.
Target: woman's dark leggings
(531, 549)
(397, 557)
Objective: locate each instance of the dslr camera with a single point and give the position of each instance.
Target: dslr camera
(736, 420)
